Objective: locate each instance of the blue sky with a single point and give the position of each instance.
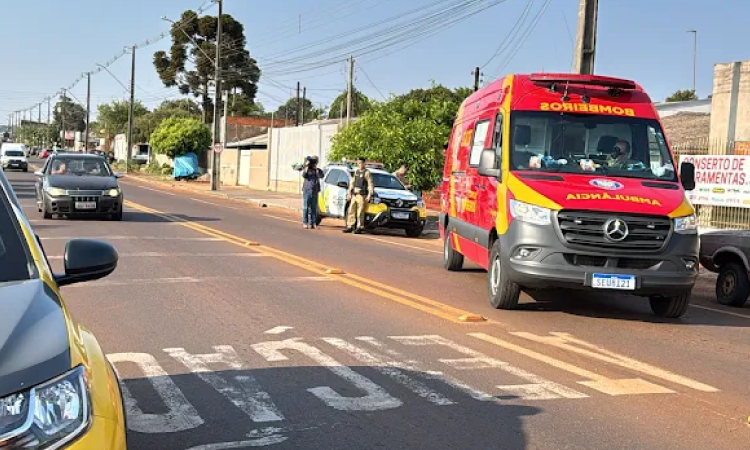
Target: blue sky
(49, 43)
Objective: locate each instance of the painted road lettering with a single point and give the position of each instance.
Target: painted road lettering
(243, 391)
(180, 415)
(376, 397)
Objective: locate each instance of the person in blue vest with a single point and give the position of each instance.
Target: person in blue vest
(310, 189)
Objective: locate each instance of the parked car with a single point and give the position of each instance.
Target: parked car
(566, 181)
(392, 205)
(78, 184)
(727, 253)
(12, 158)
(57, 389)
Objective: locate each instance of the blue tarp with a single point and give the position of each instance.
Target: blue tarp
(186, 166)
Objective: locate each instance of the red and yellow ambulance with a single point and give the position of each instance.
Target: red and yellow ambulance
(567, 181)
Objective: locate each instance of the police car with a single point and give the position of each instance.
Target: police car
(392, 205)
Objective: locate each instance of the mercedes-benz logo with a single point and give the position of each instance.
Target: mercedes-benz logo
(616, 230)
(399, 203)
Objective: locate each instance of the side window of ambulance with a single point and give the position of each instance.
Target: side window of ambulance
(497, 138)
(478, 142)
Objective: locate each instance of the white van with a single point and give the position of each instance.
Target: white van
(13, 156)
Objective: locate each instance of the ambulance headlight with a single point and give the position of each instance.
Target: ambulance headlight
(686, 225)
(530, 213)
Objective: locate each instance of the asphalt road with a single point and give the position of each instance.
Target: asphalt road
(225, 344)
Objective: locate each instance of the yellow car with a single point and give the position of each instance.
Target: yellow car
(57, 389)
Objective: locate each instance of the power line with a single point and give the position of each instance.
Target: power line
(512, 32)
(370, 80)
(529, 30)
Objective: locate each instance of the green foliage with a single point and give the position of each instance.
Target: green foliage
(242, 106)
(289, 110)
(360, 105)
(145, 125)
(683, 96)
(36, 135)
(74, 115)
(411, 129)
(179, 135)
(113, 117)
(240, 69)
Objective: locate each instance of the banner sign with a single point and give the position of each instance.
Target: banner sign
(720, 180)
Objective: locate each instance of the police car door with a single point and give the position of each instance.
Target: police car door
(339, 190)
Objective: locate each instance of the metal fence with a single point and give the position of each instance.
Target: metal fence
(716, 217)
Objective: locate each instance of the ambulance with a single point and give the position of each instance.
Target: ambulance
(563, 181)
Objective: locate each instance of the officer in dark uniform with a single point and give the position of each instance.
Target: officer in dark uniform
(360, 193)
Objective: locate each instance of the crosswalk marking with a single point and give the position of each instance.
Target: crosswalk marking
(538, 388)
(567, 342)
(180, 415)
(245, 392)
(376, 397)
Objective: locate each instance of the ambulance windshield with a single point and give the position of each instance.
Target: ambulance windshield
(590, 143)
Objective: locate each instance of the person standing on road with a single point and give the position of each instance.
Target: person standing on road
(360, 193)
(310, 190)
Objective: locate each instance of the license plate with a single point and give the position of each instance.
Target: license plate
(620, 282)
(400, 215)
(85, 205)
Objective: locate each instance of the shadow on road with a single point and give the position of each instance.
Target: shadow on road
(309, 423)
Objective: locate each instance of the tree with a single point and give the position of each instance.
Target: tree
(113, 117)
(360, 105)
(75, 115)
(683, 96)
(178, 135)
(241, 73)
(411, 129)
(289, 110)
(146, 124)
(240, 105)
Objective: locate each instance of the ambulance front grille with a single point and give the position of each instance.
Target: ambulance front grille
(585, 230)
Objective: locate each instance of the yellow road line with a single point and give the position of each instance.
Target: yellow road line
(403, 245)
(409, 299)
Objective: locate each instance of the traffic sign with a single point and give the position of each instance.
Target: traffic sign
(218, 148)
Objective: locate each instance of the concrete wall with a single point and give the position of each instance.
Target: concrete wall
(289, 146)
(730, 109)
(259, 164)
(228, 164)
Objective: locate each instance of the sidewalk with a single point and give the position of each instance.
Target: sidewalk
(263, 199)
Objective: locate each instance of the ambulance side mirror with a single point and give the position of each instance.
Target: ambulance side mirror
(687, 176)
(488, 164)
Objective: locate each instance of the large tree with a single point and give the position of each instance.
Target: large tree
(74, 114)
(113, 117)
(146, 124)
(411, 129)
(682, 96)
(360, 105)
(190, 68)
(288, 111)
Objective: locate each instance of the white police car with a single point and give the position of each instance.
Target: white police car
(392, 205)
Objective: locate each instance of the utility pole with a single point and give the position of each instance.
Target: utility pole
(304, 98)
(476, 78)
(695, 58)
(215, 182)
(62, 118)
(296, 113)
(588, 13)
(224, 124)
(349, 89)
(49, 110)
(129, 140)
(88, 113)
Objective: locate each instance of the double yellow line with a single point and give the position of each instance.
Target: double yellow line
(405, 298)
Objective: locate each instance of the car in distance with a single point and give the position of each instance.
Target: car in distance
(14, 158)
(78, 184)
(727, 252)
(57, 389)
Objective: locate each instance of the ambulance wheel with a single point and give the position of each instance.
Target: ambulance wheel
(670, 307)
(452, 260)
(503, 293)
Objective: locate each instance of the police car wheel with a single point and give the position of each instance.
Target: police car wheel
(452, 260)
(503, 293)
(414, 232)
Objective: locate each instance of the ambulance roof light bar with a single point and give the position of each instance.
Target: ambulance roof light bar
(585, 80)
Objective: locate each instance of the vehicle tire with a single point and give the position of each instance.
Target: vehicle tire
(452, 260)
(45, 213)
(415, 232)
(26, 169)
(503, 293)
(117, 216)
(732, 285)
(671, 307)
(318, 220)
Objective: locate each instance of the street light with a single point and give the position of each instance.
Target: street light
(695, 58)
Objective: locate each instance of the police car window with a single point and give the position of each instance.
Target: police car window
(387, 181)
(478, 141)
(15, 263)
(331, 176)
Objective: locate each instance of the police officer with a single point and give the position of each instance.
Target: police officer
(360, 193)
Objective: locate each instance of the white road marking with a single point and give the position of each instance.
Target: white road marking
(567, 342)
(261, 438)
(177, 280)
(245, 392)
(178, 255)
(399, 244)
(391, 369)
(595, 381)
(283, 219)
(721, 311)
(278, 330)
(376, 397)
(538, 388)
(180, 415)
(134, 238)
